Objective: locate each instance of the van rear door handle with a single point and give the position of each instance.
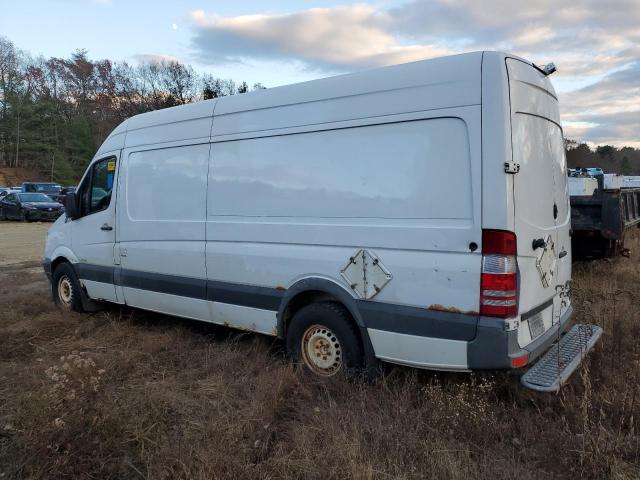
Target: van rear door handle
(106, 227)
(538, 243)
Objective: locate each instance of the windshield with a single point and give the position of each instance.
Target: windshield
(34, 197)
(43, 187)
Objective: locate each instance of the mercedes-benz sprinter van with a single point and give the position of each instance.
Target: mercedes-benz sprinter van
(416, 214)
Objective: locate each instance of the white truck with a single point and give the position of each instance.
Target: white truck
(415, 214)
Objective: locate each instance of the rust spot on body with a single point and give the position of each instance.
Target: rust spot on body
(441, 308)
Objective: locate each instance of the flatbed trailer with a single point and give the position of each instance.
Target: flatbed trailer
(600, 222)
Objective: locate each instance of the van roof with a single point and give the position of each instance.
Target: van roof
(456, 79)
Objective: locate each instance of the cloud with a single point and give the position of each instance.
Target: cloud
(607, 111)
(584, 37)
(590, 41)
(330, 38)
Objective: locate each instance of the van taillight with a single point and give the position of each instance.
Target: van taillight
(499, 283)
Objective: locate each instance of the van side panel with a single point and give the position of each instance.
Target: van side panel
(161, 228)
(391, 171)
(299, 204)
(419, 86)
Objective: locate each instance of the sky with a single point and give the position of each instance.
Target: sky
(594, 44)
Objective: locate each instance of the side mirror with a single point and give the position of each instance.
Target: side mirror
(71, 206)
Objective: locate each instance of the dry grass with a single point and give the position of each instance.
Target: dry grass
(128, 394)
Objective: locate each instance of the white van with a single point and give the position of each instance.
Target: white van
(417, 214)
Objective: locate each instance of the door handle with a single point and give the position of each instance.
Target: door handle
(538, 243)
(562, 254)
(106, 227)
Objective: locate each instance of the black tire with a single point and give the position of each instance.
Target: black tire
(3, 216)
(23, 216)
(328, 333)
(66, 288)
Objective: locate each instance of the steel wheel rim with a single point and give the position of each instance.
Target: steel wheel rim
(321, 350)
(65, 291)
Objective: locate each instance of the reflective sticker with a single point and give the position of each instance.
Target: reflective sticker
(111, 166)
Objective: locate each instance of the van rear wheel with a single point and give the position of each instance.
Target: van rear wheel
(323, 336)
(66, 288)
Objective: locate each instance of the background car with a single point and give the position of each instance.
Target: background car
(29, 206)
(50, 189)
(64, 192)
(7, 190)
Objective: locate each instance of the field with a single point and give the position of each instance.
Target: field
(129, 394)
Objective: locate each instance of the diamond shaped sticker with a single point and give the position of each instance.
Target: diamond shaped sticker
(365, 274)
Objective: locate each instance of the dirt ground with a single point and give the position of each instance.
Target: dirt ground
(22, 243)
(130, 394)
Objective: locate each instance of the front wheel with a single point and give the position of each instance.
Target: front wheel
(324, 337)
(66, 288)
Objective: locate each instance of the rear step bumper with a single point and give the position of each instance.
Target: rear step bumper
(562, 359)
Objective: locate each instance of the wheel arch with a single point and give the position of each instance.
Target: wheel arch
(65, 255)
(310, 290)
(314, 289)
(62, 254)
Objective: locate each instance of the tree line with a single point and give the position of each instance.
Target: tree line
(55, 112)
(624, 160)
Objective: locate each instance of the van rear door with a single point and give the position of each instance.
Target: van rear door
(542, 214)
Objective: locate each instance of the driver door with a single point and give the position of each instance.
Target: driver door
(93, 234)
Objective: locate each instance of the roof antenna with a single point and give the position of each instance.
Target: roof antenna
(548, 69)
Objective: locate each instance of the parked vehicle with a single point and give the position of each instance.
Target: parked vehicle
(63, 193)
(29, 206)
(632, 181)
(585, 172)
(7, 190)
(50, 189)
(601, 219)
(416, 214)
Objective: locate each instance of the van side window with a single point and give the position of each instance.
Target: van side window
(95, 193)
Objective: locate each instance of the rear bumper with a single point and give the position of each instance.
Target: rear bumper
(494, 347)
